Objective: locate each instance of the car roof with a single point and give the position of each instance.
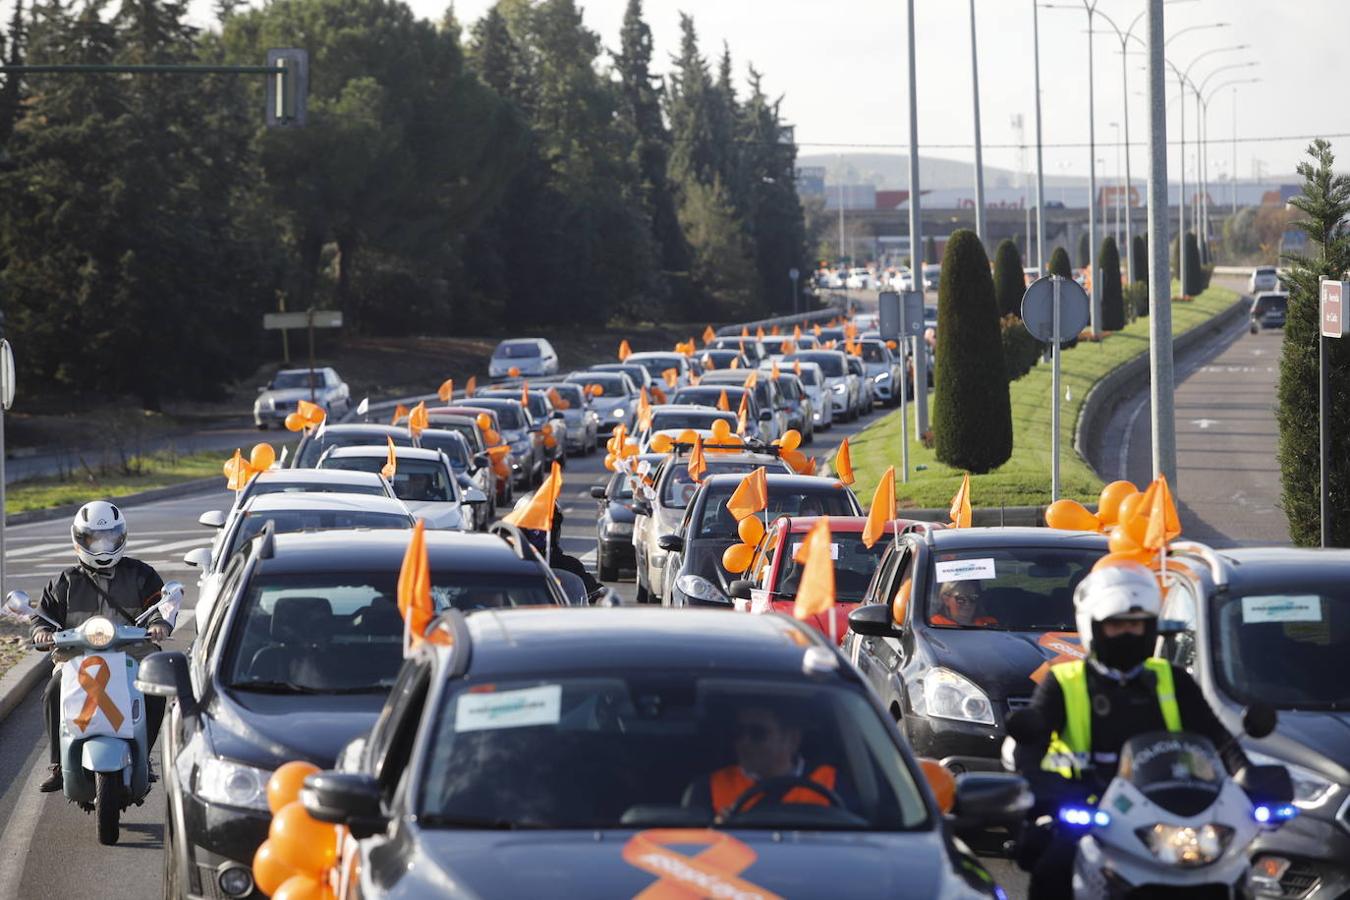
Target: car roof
(303, 370)
(363, 450)
(838, 524)
(729, 376)
(365, 428)
(1012, 536)
(343, 550)
(319, 476)
(629, 639)
(780, 480)
(1274, 567)
(334, 502)
(694, 409)
(497, 401)
(468, 412)
(535, 341)
(656, 354)
(697, 390)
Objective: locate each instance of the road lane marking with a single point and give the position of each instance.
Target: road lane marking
(39, 549)
(202, 541)
(22, 824)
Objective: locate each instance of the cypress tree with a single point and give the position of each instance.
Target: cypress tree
(930, 250)
(1195, 277)
(1059, 263)
(1113, 302)
(1084, 251)
(1325, 204)
(972, 414)
(1009, 282)
(1139, 247)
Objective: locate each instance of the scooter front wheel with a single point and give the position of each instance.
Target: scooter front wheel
(108, 805)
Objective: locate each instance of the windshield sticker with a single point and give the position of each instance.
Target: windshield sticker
(1303, 608)
(965, 569)
(509, 709)
(797, 548)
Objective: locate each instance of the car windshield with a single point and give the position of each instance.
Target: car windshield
(818, 500)
(832, 364)
(710, 395)
(1272, 304)
(875, 353)
(612, 384)
(285, 381)
(508, 415)
(290, 521)
(468, 431)
(450, 443)
(324, 632)
(313, 487)
(687, 418)
(1009, 588)
(721, 359)
(655, 365)
(570, 394)
(556, 753)
(516, 350)
(536, 404)
(680, 488)
(307, 457)
(639, 375)
(854, 565)
(415, 480)
(789, 387)
(1256, 636)
(808, 377)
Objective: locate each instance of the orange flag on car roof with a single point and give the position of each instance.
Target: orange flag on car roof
(723, 403)
(671, 376)
(557, 399)
(759, 332)
(400, 413)
(446, 391)
(625, 351)
(775, 331)
(735, 363)
(750, 496)
(390, 468)
(751, 380)
(709, 335)
(644, 410)
(773, 371)
(414, 589)
(471, 386)
(525, 394)
(796, 332)
(418, 420)
(697, 464)
(745, 331)
(817, 329)
(960, 511)
(882, 511)
(797, 367)
(1163, 521)
(743, 415)
(236, 471)
(815, 589)
(538, 513)
(843, 463)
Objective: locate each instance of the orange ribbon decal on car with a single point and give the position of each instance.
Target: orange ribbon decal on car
(1067, 647)
(96, 694)
(710, 873)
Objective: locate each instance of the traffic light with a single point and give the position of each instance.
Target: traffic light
(288, 91)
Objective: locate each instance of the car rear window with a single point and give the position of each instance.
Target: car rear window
(284, 381)
(291, 521)
(315, 487)
(655, 365)
(854, 565)
(832, 364)
(521, 350)
(614, 385)
(679, 488)
(824, 500)
(415, 480)
(317, 444)
(689, 419)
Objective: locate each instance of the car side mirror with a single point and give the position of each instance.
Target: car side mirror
(671, 543)
(165, 674)
(641, 507)
(1259, 720)
(474, 497)
(198, 558)
(345, 798)
(598, 491)
(212, 518)
(874, 619)
(766, 415)
(481, 461)
(989, 799)
(740, 588)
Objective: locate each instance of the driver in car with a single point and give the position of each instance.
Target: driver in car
(768, 754)
(959, 606)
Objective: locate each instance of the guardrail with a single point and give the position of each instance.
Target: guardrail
(839, 303)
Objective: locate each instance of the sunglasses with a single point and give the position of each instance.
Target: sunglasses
(752, 731)
(964, 599)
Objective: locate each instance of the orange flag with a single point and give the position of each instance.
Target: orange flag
(538, 513)
(400, 413)
(750, 496)
(709, 363)
(960, 511)
(525, 393)
(625, 351)
(775, 330)
(390, 468)
(743, 415)
(414, 589)
(418, 420)
(796, 332)
(471, 386)
(883, 509)
(759, 332)
(843, 463)
(446, 391)
(658, 395)
(815, 590)
(816, 329)
(745, 332)
(774, 370)
(1163, 521)
(671, 377)
(697, 464)
(644, 410)
(751, 380)
(797, 367)
(236, 471)
(557, 399)
(723, 403)
(709, 335)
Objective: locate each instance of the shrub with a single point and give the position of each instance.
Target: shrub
(1139, 247)
(1195, 277)
(1020, 350)
(1059, 263)
(1137, 297)
(1084, 251)
(1009, 282)
(972, 414)
(1113, 304)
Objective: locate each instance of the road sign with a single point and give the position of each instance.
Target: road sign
(794, 274)
(6, 375)
(891, 323)
(317, 318)
(1334, 295)
(288, 90)
(1038, 309)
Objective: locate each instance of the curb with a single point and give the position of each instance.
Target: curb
(153, 495)
(16, 684)
(1124, 383)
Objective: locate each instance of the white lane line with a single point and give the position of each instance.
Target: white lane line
(39, 549)
(22, 824)
(1124, 461)
(202, 541)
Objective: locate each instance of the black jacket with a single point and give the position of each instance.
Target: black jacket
(72, 596)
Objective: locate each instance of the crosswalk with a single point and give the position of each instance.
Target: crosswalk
(41, 557)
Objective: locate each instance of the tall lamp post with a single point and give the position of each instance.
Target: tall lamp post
(1202, 115)
(979, 155)
(1040, 165)
(1233, 83)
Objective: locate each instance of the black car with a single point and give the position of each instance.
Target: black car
(1269, 310)
(314, 443)
(595, 753)
(293, 664)
(614, 527)
(1273, 624)
(694, 572)
(950, 682)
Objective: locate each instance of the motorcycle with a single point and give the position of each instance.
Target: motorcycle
(1171, 818)
(105, 757)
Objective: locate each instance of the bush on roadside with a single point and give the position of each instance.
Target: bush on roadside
(1009, 281)
(1137, 298)
(1139, 247)
(1059, 263)
(972, 414)
(1195, 277)
(1020, 350)
(1113, 305)
(1084, 251)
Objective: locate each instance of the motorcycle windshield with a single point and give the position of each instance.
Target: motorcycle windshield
(1180, 772)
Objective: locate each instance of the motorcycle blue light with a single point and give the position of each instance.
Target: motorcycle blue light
(1261, 814)
(1101, 818)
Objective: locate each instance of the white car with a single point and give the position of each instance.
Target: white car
(860, 280)
(656, 363)
(843, 386)
(278, 398)
(616, 404)
(749, 347)
(288, 512)
(772, 409)
(579, 417)
(885, 370)
(423, 479)
(817, 392)
(530, 357)
(1263, 278)
(672, 419)
(774, 345)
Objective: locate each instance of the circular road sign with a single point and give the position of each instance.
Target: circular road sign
(1038, 308)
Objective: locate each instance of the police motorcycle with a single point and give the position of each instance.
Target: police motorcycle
(1172, 818)
(105, 760)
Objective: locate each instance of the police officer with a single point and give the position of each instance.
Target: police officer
(106, 583)
(1087, 709)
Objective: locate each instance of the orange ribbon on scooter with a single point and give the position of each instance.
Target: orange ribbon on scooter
(96, 696)
(710, 873)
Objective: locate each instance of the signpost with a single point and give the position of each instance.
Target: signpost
(900, 319)
(1052, 308)
(6, 401)
(310, 319)
(1333, 296)
(796, 295)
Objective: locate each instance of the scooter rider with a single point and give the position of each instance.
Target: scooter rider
(107, 583)
(1089, 708)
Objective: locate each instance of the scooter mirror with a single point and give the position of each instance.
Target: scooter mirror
(171, 588)
(18, 603)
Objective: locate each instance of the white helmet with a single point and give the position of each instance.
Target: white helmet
(99, 533)
(1127, 591)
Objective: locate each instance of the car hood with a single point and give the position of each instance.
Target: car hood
(1315, 740)
(1002, 663)
(620, 863)
(437, 514)
(266, 730)
(291, 395)
(526, 365)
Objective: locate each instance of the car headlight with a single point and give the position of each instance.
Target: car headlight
(98, 631)
(619, 412)
(1310, 789)
(699, 588)
(948, 695)
(621, 528)
(839, 388)
(1186, 845)
(232, 783)
(884, 376)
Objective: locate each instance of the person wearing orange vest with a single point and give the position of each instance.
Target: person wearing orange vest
(768, 748)
(959, 603)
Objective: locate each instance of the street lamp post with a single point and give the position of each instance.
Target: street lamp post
(1202, 111)
(1160, 280)
(916, 234)
(1115, 126)
(1040, 168)
(979, 156)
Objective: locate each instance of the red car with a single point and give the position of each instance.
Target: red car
(771, 580)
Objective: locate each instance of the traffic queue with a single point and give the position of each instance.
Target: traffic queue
(392, 692)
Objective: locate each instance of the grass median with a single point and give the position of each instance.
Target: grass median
(1024, 480)
(141, 473)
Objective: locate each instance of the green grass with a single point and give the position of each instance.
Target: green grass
(1024, 480)
(152, 471)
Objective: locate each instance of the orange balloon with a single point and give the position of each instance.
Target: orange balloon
(513, 372)
(297, 840)
(269, 872)
(662, 443)
(797, 460)
(484, 421)
(1129, 506)
(283, 788)
(1140, 557)
(262, 456)
(688, 436)
(303, 887)
(1070, 515)
(736, 559)
(1122, 541)
(630, 447)
(751, 530)
(941, 781)
(1108, 504)
(792, 439)
(1136, 524)
(609, 462)
(295, 422)
(721, 430)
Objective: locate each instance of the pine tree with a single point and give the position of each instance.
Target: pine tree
(972, 413)
(1113, 301)
(1325, 205)
(11, 51)
(1139, 247)
(695, 156)
(1009, 281)
(1059, 263)
(1195, 276)
(1084, 250)
(930, 251)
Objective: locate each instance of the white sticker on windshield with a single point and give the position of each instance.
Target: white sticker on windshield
(797, 548)
(1302, 608)
(965, 569)
(509, 709)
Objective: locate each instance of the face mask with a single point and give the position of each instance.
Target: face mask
(1124, 651)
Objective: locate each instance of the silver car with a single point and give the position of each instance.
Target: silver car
(813, 383)
(843, 386)
(423, 479)
(615, 401)
(579, 417)
(278, 398)
(530, 357)
(883, 369)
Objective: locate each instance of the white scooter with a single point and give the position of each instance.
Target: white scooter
(104, 739)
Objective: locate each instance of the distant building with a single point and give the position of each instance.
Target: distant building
(811, 181)
(854, 196)
(891, 199)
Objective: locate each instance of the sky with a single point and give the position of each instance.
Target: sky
(840, 66)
